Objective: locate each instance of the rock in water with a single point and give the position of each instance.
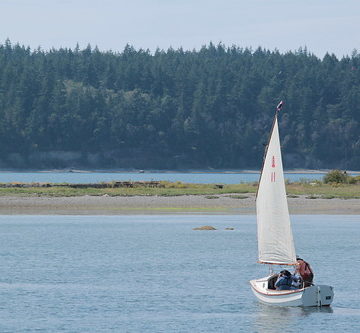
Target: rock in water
(205, 227)
(229, 228)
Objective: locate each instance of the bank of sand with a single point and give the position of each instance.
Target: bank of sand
(220, 204)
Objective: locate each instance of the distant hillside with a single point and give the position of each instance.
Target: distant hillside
(175, 108)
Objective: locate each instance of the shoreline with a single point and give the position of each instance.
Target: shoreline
(185, 204)
(191, 171)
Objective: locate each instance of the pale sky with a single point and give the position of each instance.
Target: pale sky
(320, 25)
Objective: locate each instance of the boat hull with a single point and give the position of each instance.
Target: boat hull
(317, 295)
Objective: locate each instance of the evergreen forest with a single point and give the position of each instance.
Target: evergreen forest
(176, 109)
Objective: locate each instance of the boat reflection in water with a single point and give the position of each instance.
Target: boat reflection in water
(286, 319)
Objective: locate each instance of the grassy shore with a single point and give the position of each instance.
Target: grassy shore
(166, 189)
(324, 191)
(311, 190)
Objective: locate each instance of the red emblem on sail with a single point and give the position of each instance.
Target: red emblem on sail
(273, 162)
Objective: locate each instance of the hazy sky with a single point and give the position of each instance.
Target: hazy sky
(320, 25)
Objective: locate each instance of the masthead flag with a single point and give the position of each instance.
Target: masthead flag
(280, 105)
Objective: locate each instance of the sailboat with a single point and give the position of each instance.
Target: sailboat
(275, 238)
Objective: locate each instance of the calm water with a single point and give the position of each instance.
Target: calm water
(155, 274)
(95, 177)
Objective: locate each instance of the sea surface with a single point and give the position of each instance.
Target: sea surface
(156, 274)
(186, 177)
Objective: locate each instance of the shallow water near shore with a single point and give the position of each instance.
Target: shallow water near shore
(156, 274)
(185, 177)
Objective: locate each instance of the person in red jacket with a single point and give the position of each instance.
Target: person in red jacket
(304, 270)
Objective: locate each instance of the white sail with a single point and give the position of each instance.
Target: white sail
(275, 239)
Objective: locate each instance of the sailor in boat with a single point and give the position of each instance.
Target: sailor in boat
(297, 281)
(287, 281)
(284, 281)
(305, 271)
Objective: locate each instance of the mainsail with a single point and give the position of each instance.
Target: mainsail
(275, 239)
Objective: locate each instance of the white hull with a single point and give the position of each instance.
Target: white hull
(317, 295)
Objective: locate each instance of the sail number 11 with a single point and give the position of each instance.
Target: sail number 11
(273, 173)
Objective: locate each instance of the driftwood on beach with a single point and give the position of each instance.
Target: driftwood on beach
(124, 184)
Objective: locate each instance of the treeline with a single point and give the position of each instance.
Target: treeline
(210, 108)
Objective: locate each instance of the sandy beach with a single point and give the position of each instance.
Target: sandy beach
(199, 204)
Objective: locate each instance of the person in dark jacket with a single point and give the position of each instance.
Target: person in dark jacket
(297, 281)
(284, 281)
